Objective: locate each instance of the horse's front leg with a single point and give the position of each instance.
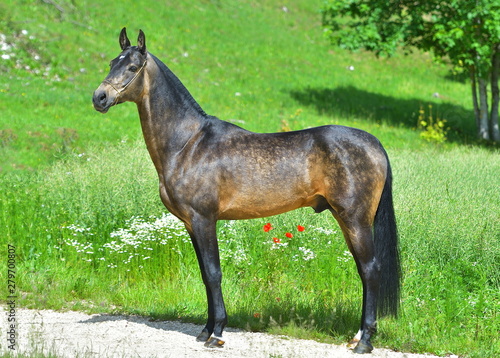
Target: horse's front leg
(204, 238)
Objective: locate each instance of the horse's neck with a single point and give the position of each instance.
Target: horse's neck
(169, 117)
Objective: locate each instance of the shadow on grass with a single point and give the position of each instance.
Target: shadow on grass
(341, 323)
(350, 102)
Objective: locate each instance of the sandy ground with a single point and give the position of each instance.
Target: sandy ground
(76, 334)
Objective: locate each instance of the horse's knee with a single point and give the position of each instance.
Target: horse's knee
(371, 270)
(213, 280)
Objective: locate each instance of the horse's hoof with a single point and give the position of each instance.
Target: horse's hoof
(214, 342)
(203, 337)
(352, 343)
(363, 347)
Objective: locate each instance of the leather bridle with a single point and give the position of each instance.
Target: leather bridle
(119, 91)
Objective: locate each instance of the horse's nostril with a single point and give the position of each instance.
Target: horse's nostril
(100, 100)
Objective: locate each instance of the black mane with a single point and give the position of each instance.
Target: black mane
(178, 85)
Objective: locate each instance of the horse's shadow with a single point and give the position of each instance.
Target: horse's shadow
(342, 322)
(189, 329)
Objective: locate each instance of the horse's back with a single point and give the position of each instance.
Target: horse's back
(348, 137)
(262, 174)
(353, 147)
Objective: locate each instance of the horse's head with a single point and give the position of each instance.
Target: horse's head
(126, 76)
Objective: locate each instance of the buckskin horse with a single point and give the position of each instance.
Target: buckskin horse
(212, 170)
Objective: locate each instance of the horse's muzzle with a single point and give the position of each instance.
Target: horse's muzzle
(102, 99)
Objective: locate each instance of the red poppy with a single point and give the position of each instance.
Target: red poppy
(289, 235)
(300, 228)
(267, 227)
(256, 315)
(276, 240)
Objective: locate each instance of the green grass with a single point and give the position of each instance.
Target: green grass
(449, 241)
(73, 180)
(277, 61)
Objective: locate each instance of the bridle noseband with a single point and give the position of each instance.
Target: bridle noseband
(119, 91)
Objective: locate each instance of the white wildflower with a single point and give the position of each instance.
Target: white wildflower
(307, 254)
(346, 256)
(325, 231)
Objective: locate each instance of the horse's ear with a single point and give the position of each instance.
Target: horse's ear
(141, 42)
(124, 41)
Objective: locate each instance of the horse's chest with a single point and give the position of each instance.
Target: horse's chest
(166, 198)
(182, 194)
(172, 202)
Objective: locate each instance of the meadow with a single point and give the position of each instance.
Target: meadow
(79, 196)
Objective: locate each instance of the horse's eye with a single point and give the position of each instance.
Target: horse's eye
(132, 68)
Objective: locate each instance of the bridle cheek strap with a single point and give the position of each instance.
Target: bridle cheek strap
(119, 91)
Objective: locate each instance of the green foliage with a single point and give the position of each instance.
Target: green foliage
(369, 25)
(463, 31)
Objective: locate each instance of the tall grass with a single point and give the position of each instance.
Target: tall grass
(92, 234)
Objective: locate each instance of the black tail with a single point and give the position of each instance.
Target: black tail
(387, 251)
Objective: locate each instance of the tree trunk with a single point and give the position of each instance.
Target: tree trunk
(495, 96)
(473, 80)
(484, 132)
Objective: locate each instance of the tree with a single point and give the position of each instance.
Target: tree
(464, 32)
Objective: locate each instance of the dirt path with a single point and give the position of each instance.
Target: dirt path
(76, 334)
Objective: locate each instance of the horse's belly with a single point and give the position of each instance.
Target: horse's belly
(258, 205)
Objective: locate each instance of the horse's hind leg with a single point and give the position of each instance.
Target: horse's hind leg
(203, 236)
(360, 243)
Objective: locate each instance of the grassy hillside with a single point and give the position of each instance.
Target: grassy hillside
(259, 63)
(75, 183)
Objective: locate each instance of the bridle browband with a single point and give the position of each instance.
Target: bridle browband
(119, 91)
